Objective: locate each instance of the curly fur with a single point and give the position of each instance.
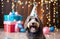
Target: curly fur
(35, 35)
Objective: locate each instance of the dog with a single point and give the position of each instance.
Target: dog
(33, 26)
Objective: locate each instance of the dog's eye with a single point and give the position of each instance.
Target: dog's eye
(29, 19)
(36, 19)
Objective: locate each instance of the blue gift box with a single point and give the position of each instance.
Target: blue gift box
(18, 18)
(11, 17)
(6, 17)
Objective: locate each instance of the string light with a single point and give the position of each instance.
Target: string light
(42, 3)
(29, 2)
(28, 5)
(26, 2)
(7, 0)
(53, 4)
(1, 0)
(53, 20)
(47, 8)
(2, 6)
(19, 1)
(54, 1)
(49, 24)
(46, 1)
(34, 0)
(38, 2)
(49, 16)
(54, 12)
(22, 6)
(51, 0)
(53, 15)
(49, 19)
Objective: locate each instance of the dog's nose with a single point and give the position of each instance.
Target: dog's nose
(33, 23)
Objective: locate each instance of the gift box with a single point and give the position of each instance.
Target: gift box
(6, 17)
(17, 29)
(9, 27)
(18, 17)
(11, 18)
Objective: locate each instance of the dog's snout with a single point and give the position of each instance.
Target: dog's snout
(33, 23)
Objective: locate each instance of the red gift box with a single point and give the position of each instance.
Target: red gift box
(9, 27)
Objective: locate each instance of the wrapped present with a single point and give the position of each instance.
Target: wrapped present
(6, 17)
(11, 18)
(9, 27)
(18, 17)
(17, 29)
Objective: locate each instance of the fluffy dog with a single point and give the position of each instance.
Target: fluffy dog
(33, 25)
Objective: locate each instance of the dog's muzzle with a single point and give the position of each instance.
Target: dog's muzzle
(33, 27)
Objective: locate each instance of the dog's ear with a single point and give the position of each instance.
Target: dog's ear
(40, 22)
(26, 22)
(40, 25)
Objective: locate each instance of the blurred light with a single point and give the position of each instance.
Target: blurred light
(26, 2)
(54, 8)
(2, 2)
(37, 5)
(53, 15)
(46, 1)
(47, 16)
(51, 0)
(29, 2)
(53, 20)
(19, 1)
(42, 10)
(2, 6)
(42, 1)
(53, 4)
(54, 11)
(49, 13)
(47, 23)
(22, 6)
(47, 8)
(49, 20)
(33, 0)
(57, 30)
(38, 2)
(28, 5)
(56, 0)
(7, 0)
